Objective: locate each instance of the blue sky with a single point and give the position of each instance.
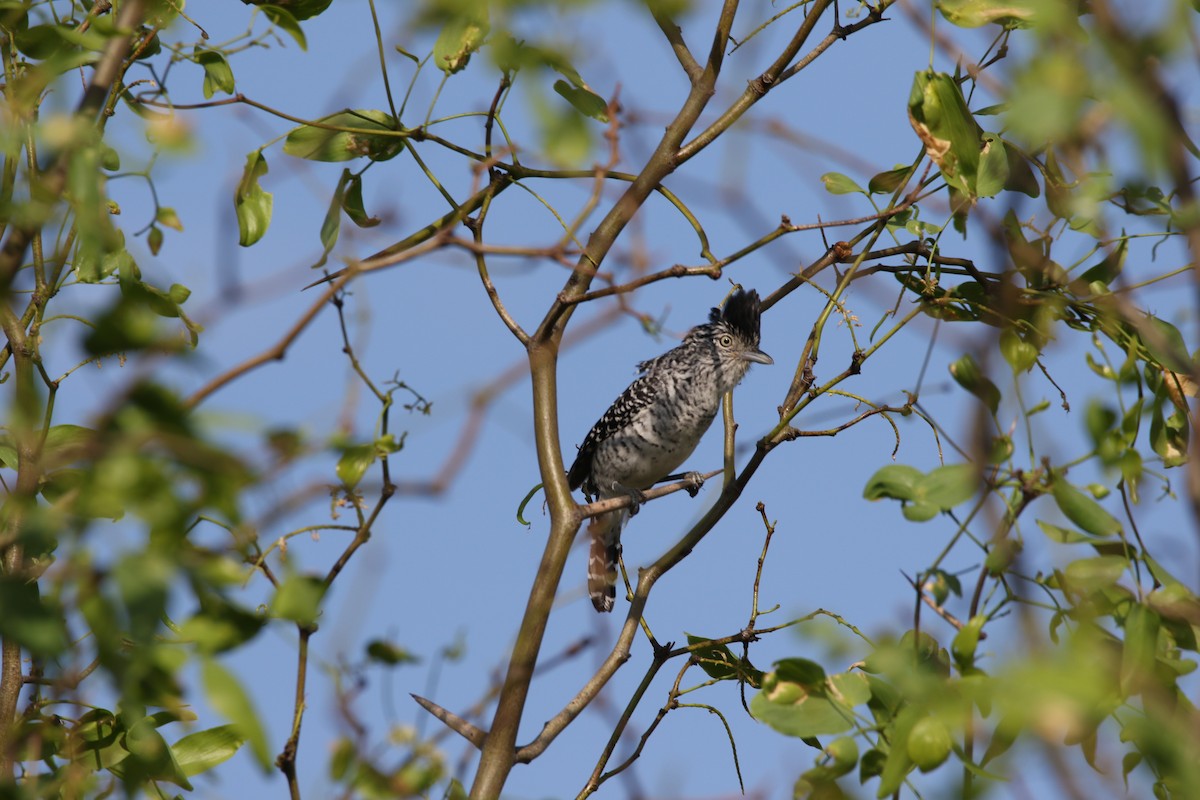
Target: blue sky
(457, 567)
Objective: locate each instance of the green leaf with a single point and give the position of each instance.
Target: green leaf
(29, 620)
(565, 136)
(221, 626)
(152, 758)
(352, 204)
(976, 13)
(949, 486)
(253, 205)
(389, 654)
(965, 642)
(851, 688)
(1139, 656)
(1169, 436)
(332, 223)
(65, 443)
(201, 751)
(1019, 354)
(1109, 267)
(327, 143)
(1063, 535)
(299, 599)
(307, 9)
(808, 674)
(284, 20)
(719, 662)
(1165, 344)
(952, 138)
(1083, 510)
(919, 511)
(898, 763)
(1093, 574)
(228, 698)
(967, 374)
(929, 743)
(354, 463)
(584, 100)
(167, 217)
(897, 481)
(72, 491)
(461, 36)
(810, 715)
(154, 240)
(218, 75)
(40, 42)
(993, 166)
(891, 180)
(837, 183)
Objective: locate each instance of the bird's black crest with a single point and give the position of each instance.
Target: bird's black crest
(741, 313)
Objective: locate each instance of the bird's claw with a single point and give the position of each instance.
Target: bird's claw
(636, 498)
(695, 482)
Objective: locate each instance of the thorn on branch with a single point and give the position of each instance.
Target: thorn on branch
(462, 727)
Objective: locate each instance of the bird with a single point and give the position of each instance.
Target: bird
(656, 423)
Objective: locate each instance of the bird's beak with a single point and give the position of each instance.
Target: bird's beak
(757, 356)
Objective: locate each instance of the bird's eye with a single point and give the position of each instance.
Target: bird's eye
(725, 341)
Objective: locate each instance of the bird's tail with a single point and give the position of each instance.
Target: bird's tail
(605, 531)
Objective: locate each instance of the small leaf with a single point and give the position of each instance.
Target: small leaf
(1166, 346)
(332, 224)
(1019, 354)
(967, 374)
(1093, 574)
(949, 486)
(965, 642)
(218, 75)
(941, 119)
(1109, 267)
(993, 166)
(354, 463)
(851, 688)
(1140, 650)
(167, 217)
(1063, 535)
(929, 743)
(808, 674)
(154, 239)
(920, 511)
(810, 715)
(1083, 510)
(326, 143)
(201, 751)
(227, 697)
(390, 654)
(898, 764)
(461, 36)
(282, 18)
(584, 100)
(896, 481)
(890, 181)
(352, 204)
(253, 205)
(151, 757)
(977, 13)
(299, 599)
(837, 183)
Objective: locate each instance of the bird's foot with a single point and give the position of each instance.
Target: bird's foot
(636, 497)
(695, 482)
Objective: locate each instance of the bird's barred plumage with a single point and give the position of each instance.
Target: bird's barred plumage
(656, 423)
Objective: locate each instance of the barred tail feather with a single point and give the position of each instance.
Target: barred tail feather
(605, 531)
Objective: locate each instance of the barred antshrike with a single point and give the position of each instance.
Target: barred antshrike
(656, 424)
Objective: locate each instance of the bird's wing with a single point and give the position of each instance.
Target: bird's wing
(637, 396)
